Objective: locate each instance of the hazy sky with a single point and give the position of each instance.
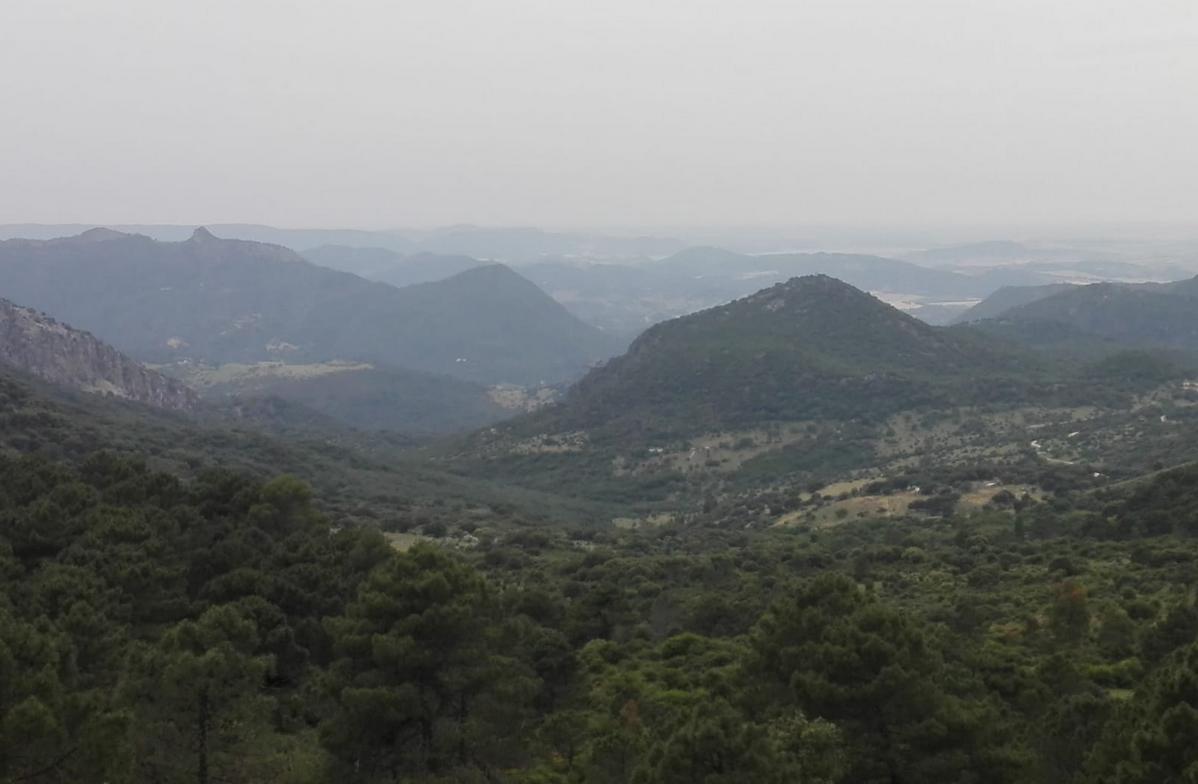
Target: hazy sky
(385, 113)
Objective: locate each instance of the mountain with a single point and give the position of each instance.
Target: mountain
(36, 344)
(491, 325)
(1147, 315)
(1009, 297)
(500, 243)
(808, 348)
(290, 238)
(387, 266)
(222, 301)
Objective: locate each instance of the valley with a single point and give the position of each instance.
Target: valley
(599, 393)
(561, 558)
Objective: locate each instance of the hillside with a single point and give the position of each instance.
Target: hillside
(808, 348)
(1007, 298)
(371, 479)
(234, 301)
(490, 325)
(34, 343)
(814, 382)
(1150, 315)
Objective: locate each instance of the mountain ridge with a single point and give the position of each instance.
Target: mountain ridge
(221, 300)
(1145, 315)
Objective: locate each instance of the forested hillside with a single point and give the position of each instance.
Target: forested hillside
(811, 347)
(222, 630)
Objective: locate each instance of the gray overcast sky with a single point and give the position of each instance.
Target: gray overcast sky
(604, 112)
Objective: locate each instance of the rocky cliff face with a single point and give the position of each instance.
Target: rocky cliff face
(37, 344)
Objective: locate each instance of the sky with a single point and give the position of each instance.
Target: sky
(593, 113)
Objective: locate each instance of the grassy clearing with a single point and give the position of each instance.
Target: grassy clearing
(402, 542)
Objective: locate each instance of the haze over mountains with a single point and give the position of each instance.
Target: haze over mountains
(645, 514)
(216, 300)
(626, 298)
(507, 244)
(629, 392)
(372, 335)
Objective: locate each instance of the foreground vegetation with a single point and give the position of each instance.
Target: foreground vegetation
(221, 629)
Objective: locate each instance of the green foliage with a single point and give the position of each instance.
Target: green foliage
(154, 629)
(421, 682)
(835, 652)
(812, 348)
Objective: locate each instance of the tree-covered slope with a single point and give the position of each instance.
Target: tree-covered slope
(1142, 315)
(154, 630)
(1007, 298)
(373, 478)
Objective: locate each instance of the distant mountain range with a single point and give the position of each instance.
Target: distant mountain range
(220, 301)
(872, 273)
(508, 244)
(33, 343)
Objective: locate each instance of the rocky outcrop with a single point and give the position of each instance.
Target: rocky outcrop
(37, 344)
